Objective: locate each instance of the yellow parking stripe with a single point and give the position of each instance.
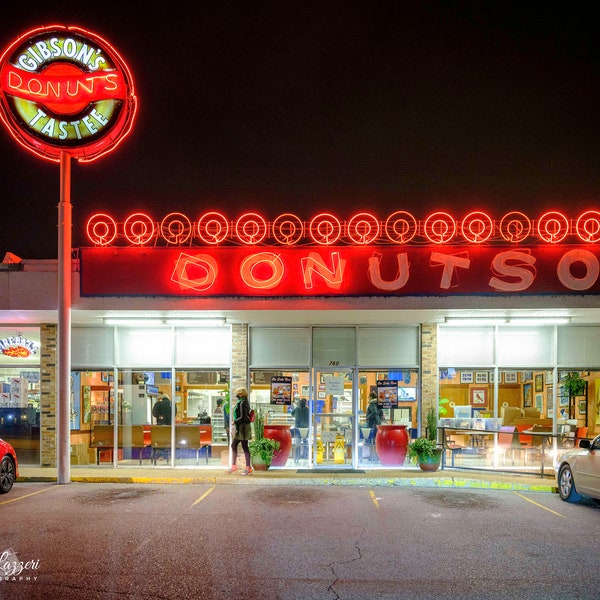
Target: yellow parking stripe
(25, 496)
(540, 505)
(373, 497)
(206, 493)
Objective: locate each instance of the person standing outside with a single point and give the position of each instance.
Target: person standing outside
(242, 429)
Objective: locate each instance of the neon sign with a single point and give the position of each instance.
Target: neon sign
(362, 229)
(65, 89)
(17, 347)
(339, 271)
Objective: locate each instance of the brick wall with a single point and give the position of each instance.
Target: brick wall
(429, 370)
(48, 394)
(239, 356)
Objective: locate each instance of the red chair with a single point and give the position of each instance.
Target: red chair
(580, 434)
(507, 442)
(527, 442)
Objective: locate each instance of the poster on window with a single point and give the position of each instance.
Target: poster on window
(281, 390)
(387, 393)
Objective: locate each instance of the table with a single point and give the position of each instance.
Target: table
(544, 435)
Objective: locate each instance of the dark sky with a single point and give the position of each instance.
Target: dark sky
(337, 106)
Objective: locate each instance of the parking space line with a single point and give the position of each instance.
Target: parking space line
(206, 493)
(537, 504)
(374, 498)
(25, 496)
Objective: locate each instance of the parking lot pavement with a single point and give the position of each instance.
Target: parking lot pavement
(408, 476)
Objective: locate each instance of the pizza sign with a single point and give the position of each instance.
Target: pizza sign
(17, 347)
(64, 89)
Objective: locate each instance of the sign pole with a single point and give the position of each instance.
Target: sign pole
(64, 322)
(105, 113)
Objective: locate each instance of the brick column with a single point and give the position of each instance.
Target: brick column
(429, 370)
(239, 356)
(48, 394)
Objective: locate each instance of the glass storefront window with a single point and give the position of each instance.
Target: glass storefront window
(338, 401)
(146, 429)
(561, 403)
(20, 412)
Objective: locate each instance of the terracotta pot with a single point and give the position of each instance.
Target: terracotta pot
(431, 464)
(283, 435)
(258, 464)
(391, 443)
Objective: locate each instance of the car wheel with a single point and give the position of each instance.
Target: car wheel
(566, 485)
(7, 474)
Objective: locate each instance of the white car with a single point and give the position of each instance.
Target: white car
(578, 472)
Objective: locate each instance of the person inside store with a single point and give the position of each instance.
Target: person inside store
(374, 417)
(220, 411)
(374, 412)
(226, 421)
(242, 429)
(162, 411)
(301, 416)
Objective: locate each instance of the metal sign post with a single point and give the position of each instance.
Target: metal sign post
(63, 403)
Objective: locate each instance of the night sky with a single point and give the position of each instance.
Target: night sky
(336, 106)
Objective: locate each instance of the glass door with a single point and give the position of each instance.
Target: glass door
(333, 407)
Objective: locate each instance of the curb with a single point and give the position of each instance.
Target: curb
(430, 482)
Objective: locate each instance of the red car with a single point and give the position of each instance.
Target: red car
(9, 466)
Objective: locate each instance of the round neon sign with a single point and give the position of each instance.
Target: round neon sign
(64, 89)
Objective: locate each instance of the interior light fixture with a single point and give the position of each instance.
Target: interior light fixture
(475, 321)
(199, 322)
(154, 322)
(507, 320)
(538, 320)
(132, 321)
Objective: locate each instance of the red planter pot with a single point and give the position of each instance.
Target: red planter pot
(283, 435)
(391, 443)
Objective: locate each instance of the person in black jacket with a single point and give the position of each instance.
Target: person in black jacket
(374, 415)
(162, 411)
(301, 414)
(242, 430)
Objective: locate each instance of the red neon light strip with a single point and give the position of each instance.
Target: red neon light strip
(400, 228)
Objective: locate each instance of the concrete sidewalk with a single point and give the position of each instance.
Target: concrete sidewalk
(408, 476)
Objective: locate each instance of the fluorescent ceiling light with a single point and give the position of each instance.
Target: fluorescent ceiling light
(218, 322)
(507, 320)
(153, 322)
(538, 320)
(133, 322)
(475, 321)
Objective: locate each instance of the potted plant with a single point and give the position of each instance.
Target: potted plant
(575, 386)
(261, 448)
(425, 450)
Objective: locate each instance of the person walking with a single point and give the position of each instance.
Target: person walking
(242, 429)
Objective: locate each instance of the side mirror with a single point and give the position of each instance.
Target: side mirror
(585, 444)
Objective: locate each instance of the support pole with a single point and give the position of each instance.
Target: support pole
(63, 401)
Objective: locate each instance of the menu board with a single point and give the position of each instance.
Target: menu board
(387, 393)
(281, 390)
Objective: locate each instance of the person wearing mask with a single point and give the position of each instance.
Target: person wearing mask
(242, 429)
